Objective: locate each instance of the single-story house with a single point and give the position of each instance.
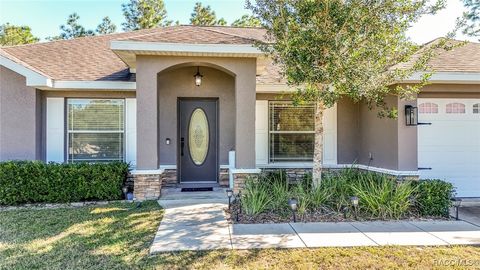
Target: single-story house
(202, 106)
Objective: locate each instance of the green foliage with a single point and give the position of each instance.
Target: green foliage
(11, 35)
(470, 22)
(144, 14)
(382, 197)
(339, 185)
(72, 29)
(433, 197)
(38, 182)
(247, 21)
(106, 27)
(255, 197)
(332, 49)
(205, 16)
(277, 183)
(302, 194)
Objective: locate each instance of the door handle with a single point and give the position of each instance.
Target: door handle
(182, 144)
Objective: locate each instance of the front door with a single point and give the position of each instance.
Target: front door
(198, 157)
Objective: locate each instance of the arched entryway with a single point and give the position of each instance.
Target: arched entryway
(196, 122)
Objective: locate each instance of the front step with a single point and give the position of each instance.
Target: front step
(177, 194)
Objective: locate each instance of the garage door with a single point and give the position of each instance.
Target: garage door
(450, 146)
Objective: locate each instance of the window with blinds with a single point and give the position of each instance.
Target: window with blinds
(95, 129)
(291, 131)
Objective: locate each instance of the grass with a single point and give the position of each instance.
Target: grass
(118, 235)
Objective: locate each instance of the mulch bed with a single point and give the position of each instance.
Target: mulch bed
(235, 216)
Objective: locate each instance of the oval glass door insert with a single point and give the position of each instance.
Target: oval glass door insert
(198, 136)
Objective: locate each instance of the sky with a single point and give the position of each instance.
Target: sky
(45, 16)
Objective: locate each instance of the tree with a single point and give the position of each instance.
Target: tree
(247, 21)
(144, 14)
(106, 27)
(336, 48)
(205, 16)
(470, 23)
(11, 35)
(72, 29)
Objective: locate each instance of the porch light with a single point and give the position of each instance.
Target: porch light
(456, 203)
(293, 203)
(198, 77)
(411, 115)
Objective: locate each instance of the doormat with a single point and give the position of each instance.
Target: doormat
(197, 189)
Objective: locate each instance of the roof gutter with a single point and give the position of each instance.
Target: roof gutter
(37, 80)
(33, 78)
(447, 78)
(186, 48)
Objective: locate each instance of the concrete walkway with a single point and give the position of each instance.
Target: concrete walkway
(197, 222)
(192, 221)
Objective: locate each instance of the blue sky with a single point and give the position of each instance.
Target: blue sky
(45, 16)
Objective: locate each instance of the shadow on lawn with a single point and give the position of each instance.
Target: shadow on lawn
(114, 236)
(111, 236)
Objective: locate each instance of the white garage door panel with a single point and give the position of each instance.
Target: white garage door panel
(451, 146)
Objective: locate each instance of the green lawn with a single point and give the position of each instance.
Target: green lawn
(117, 236)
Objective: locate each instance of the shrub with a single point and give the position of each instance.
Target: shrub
(339, 185)
(433, 197)
(382, 197)
(304, 200)
(277, 183)
(255, 197)
(39, 182)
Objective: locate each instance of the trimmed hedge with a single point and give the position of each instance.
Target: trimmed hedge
(433, 197)
(39, 182)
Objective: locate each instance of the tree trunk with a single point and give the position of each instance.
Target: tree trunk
(318, 151)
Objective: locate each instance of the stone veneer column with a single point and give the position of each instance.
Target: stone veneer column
(239, 179)
(147, 186)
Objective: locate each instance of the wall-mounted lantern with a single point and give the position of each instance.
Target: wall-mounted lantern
(411, 115)
(198, 77)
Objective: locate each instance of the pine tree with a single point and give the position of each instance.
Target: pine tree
(144, 14)
(205, 16)
(72, 29)
(106, 27)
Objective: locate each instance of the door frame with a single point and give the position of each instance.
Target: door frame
(217, 133)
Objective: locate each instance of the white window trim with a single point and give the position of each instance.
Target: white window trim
(68, 131)
(269, 158)
(55, 130)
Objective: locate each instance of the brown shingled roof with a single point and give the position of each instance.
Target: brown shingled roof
(202, 35)
(465, 58)
(91, 59)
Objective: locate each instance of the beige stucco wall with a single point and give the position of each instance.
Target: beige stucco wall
(20, 136)
(148, 115)
(391, 143)
(177, 83)
(407, 139)
(378, 136)
(348, 131)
